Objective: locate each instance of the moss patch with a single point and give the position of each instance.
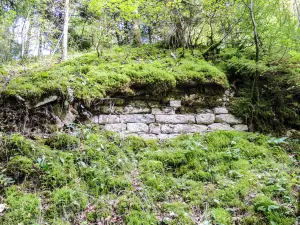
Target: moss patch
(233, 177)
(119, 70)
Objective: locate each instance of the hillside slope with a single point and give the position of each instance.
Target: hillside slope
(98, 178)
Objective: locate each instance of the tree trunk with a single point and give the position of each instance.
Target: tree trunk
(24, 33)
(255, 84)
(40, 40)
(136, 33)
(255, 33)
(65, 31)
(150, 34)
(298, 11)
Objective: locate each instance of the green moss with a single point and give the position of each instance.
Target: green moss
(140, 218)
(119, 70)
(221, 216)
(195, 72)
(127, 203)
(150, 77)
(177, 213)
(58, 170)
(20, 167)
(17, 145)
(99, 210)
(22, 207)
(67, 201)
(139, 182)
(63, 142)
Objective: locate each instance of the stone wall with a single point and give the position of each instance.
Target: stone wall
(150, 119)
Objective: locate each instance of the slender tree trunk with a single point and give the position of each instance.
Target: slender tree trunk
(255, 84)
(255, 89)
(65, 31)
(40, 40)
(28, 40)
(150, 34)
(126, 33)
(255, 33)
(136, 32)
(24, 36)
(298, 11)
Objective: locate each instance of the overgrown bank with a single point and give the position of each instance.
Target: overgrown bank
(92, 177)
(272, 106)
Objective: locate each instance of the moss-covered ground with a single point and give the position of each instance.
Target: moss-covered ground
(117, 70)
(99, 178)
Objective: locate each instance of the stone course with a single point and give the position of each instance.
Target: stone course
(162, 120)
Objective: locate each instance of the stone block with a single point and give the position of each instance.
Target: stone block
(182, 128)
(202, 111)
(227, 118)
(219, 126)
(155, 128)
(111, 109)
(137, 118)
(117, 127)
(241, 127)
(136, 107)
(174, 119)
(175, 103)
(205, 118)
(137, 127)
(106, 119)
(220, 110)
(163, 111)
